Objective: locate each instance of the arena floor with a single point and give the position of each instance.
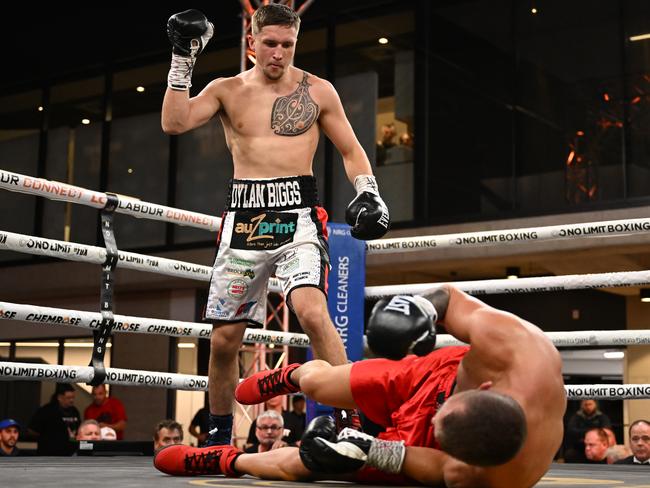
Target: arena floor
(136, 472)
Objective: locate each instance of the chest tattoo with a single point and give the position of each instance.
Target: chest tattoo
(294, 114)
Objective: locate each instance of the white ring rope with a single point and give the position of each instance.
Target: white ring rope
(55, 190)
(608, 392)
(523, 285)
(72, 251)
(114, 376)
(139, 325)
(62, 191)
(90, 254)
(131, 377)
(509, 236)
(142, 325)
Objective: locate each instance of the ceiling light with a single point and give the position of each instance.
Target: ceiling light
(40, 108)
(140, 89)
(614, 354)
(645, 295)
(382, 40)
(640, 37)
(533, 10)
(130, 170)
(85, 121)
(186, 345)
(512, 273)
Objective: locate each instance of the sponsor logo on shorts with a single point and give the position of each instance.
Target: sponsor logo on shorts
(237, 288)
(265, 231)
(244, 308)
(246, 263)
(246, 273)
(290, 267)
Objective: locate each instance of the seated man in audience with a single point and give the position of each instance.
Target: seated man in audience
(89, 430)
(9, 432)
(167, 432)
(639, 444)
(596, 445)
(269, 428)
(617, 453)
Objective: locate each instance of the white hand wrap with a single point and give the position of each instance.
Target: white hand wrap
(180, 73)
(387, 456)
(366, 183)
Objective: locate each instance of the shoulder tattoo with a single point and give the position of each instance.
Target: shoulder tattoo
(294, 114)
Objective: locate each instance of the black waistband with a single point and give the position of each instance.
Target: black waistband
(273, 194)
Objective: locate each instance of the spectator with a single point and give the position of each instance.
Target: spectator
(587, 417)
(108, 434)
(596, 445)
(617, 453)
(167, 433)
(9, 431)
(611, 437)
(294, 420)
(269, 427)
(275, 404)
(386, 142)
(89, 430)
(639, 444)
(55, 424)
(406, 139)
(199, 427)
(108, 411)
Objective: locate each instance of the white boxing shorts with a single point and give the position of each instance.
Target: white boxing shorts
(271, 227)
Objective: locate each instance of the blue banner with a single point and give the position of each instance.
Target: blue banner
(346, 296)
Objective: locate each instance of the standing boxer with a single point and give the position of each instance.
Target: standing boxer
(273, 222)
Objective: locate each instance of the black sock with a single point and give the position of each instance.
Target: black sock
(220, 430)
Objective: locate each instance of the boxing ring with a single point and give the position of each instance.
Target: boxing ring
(140, 472)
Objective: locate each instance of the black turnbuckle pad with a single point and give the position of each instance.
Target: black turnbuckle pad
(102, 335)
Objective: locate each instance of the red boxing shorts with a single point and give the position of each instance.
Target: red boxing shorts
(403, 396)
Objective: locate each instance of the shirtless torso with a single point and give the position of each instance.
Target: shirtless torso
(271, 125)
(518, 360)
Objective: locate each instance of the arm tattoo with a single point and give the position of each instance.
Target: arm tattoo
(294, 114)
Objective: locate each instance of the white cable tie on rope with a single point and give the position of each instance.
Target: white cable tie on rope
(114, 376)
(140, 325)
(72, 251)
(509, 236)
(55, 190)
(522, 285)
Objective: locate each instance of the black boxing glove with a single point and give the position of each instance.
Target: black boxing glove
(189, 32)
(352, 450)
(367, 213)
(322, 427)
(402, 325)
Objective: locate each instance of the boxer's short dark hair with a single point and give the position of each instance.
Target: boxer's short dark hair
(275, 14)
(487, 430)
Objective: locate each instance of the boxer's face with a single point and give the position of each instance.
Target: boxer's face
(274, 46)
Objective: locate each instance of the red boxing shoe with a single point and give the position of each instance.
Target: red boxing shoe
(180, 460)
(266, 384)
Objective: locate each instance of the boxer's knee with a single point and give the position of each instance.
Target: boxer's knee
(312, 377)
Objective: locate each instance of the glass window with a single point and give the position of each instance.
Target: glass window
(203, 162)
(471, 108)
(78, 351)
(139, 159)
(73, 156)
(374, 78)
(139, 151)
(45, 351)
(20, 121)
(570, 104)
(636, 100)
